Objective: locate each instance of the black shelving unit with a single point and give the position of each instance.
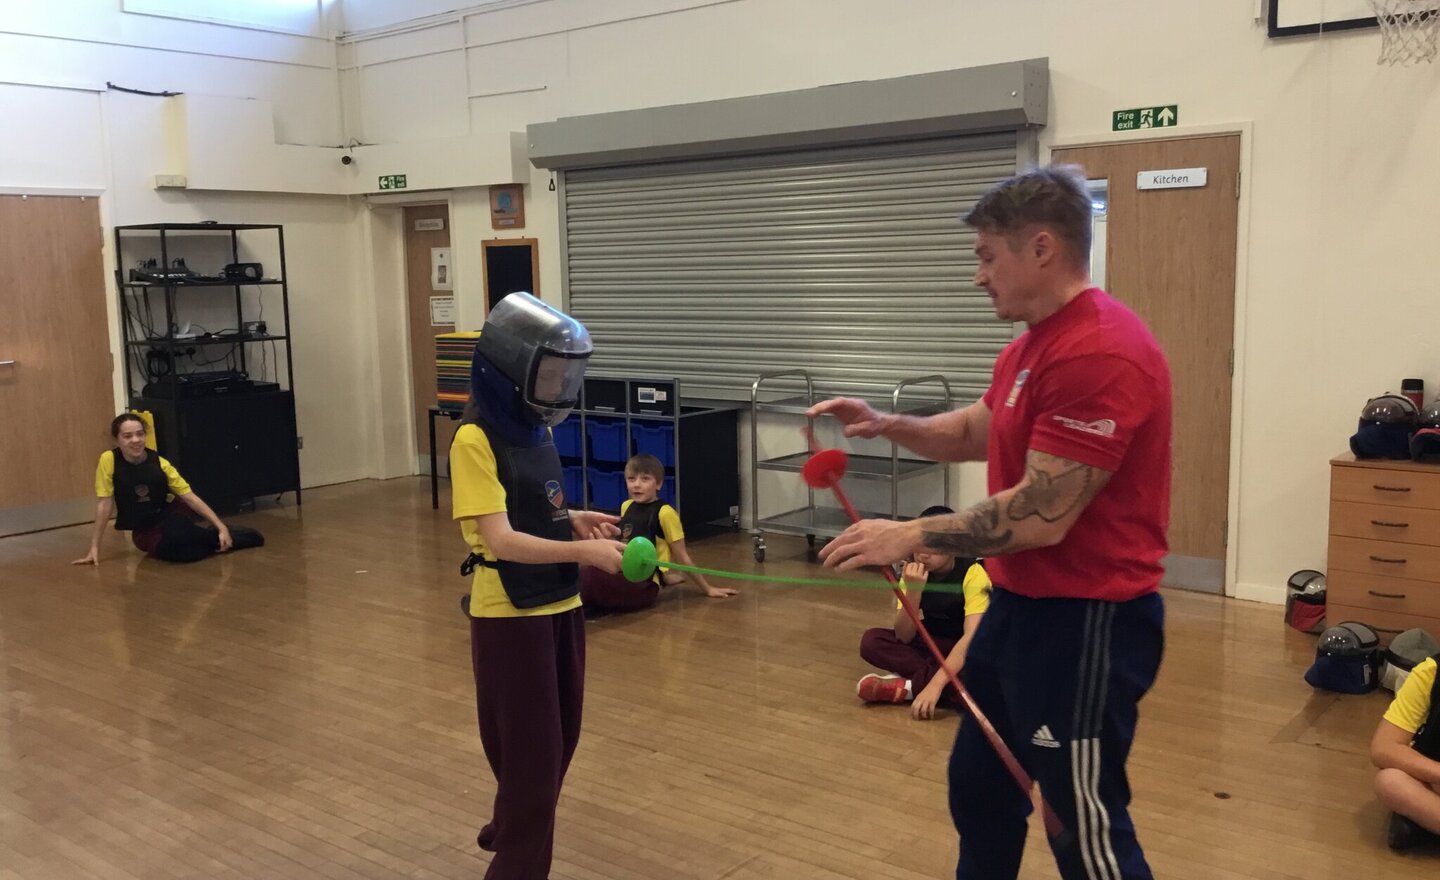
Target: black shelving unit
(696, 440)
(224, 405)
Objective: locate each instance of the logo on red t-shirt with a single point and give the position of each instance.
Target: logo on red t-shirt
(1099, 427)
(1015, 389)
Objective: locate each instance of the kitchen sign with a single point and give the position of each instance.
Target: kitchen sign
(1174, 178)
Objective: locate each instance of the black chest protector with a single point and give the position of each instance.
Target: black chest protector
(642, 521)
(535, 505)
(945, 610)
(140, 491)
(1427, 738)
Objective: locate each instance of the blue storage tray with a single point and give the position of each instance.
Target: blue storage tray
(607, 488)
(655, 439)
(567, 438)
(607, 440)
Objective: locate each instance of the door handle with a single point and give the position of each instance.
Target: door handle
(1392, 488)
(1389, 525)
(1374, 558)
(9, 363)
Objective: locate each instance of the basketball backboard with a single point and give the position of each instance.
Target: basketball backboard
(1289, 18)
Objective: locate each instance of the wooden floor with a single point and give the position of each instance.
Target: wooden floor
(306, 710)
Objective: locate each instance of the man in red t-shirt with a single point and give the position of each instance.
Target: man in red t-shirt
(1076, 431)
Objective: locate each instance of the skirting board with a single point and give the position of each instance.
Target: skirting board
(1270, 594)
(51, 515)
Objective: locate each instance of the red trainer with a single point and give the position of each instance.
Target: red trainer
(881, 689)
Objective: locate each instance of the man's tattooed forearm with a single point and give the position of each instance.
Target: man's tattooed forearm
(973, 532)
(1054, 488)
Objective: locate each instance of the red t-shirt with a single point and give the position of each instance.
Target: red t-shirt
(1089, 384)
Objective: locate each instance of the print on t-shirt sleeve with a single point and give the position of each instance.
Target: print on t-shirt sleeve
(1088, 409)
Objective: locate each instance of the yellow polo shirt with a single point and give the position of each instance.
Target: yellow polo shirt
(1411, 705)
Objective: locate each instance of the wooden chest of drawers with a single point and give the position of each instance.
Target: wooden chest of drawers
(1384, 559)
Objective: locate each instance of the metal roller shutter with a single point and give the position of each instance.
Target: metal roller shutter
(850, 262)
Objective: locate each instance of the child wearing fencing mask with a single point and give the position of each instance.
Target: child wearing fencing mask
(527, 632)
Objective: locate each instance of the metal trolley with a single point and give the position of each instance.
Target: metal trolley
(816, 521)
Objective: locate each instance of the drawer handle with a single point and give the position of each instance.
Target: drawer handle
(1392, 488)
(1389, 525)
(1386, 595)
(1374, 558)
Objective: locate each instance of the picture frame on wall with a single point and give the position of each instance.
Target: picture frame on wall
(507, 206)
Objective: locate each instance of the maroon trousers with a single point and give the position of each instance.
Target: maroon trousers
(911, 660)
(600, 589)
(529, 690)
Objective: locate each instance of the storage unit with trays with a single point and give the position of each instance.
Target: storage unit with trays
(1384, 555)
(696, 441)
(821, 520)
(231, 432)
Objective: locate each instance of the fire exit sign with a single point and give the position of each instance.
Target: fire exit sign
(1146, 117)
(392, 181)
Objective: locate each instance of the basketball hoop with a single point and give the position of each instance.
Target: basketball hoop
(1408, 30)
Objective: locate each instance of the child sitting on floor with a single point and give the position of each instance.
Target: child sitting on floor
(950, 617)
(644, 515)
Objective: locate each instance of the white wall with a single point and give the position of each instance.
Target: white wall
(1337, 303)
(64, 131)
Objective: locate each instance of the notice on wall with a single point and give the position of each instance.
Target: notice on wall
(1172, 178)
(440, 269)
(442, 311)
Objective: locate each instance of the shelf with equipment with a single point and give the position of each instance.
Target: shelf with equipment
(207, 351)
(815, 520)
(695, 440)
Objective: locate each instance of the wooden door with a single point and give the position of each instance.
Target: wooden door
(1170, 256)
(55, 347)
(420, 287)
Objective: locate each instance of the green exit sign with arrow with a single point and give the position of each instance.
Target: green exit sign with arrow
(392, 181)
(1146, 117)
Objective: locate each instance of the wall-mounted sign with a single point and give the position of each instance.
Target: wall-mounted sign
(430, 224)
(440, 269)
(442, 311)
(1174, 178)
(392, 181)
(1167, 116)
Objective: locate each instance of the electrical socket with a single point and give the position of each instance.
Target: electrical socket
(299, 442)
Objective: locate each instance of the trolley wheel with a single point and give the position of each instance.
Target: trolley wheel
(760, 553)
(810, 541)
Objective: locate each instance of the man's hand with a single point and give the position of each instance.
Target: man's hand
(872, 542)
(859, 418)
